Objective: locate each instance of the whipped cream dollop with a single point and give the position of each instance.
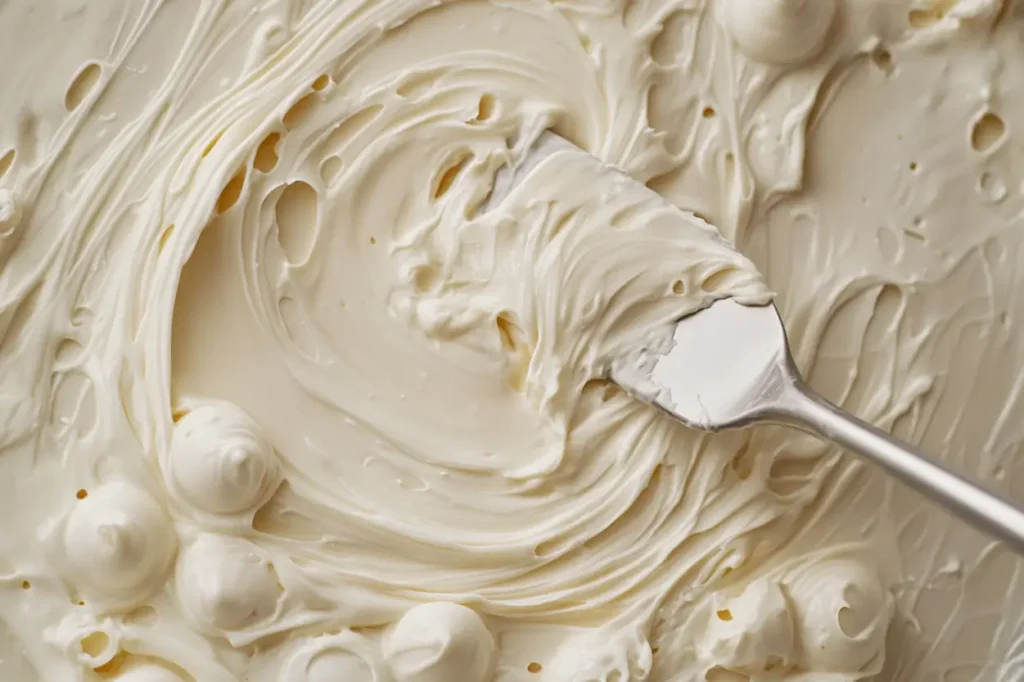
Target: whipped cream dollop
(286, 397)
(437, 642)
(220, 462)
(779, 32)
(225, 583)
(118, 543)
(843, 615)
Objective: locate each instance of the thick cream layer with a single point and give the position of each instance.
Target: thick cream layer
(280, 401)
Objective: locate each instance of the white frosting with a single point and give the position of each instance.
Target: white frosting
(220, 462)
(118, 543)
(843, 614)
(781, 32)
(752, 633)
(274, 385)
(225, 583)
(438, 642)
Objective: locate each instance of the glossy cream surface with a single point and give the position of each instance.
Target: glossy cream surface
(284, 399)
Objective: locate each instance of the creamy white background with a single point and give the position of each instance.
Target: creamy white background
(864, 154)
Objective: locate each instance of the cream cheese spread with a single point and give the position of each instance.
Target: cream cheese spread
(283, 399)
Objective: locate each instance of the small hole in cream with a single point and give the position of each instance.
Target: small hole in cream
(448, 177)
(300, 111)
(26, 585)
(534, 667)
(231, 192)
(708, 112)
(82, 494)
(882, 58)
(80, 87)
(987, 132)
(424, 277)
(94, 644)
(724, 614)
(266, 153)
(484, 108)
(322, 82)
(678, 287)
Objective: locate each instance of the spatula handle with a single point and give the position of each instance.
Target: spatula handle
(987, 512)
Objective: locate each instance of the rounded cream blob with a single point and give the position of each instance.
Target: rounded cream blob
(440, 642)
(220, 461)
(779, 32)
(146, 672)
(842, 615)
(226, 584)
(118, 542)
(753, 632)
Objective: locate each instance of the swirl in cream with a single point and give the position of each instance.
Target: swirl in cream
(118, 544)
(843, 615)
(220, 462)
(439, 642)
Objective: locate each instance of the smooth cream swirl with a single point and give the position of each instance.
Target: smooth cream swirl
(440, 642)
(843, 614)
(220, 461)
(779, 32)
(225, 584)
(118, 543)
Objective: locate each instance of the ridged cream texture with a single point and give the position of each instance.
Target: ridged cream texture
(280, 402)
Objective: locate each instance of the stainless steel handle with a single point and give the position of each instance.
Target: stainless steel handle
(802, 408)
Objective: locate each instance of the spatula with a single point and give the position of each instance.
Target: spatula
(729, 367)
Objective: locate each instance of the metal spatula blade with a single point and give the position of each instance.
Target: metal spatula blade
(729, 366)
